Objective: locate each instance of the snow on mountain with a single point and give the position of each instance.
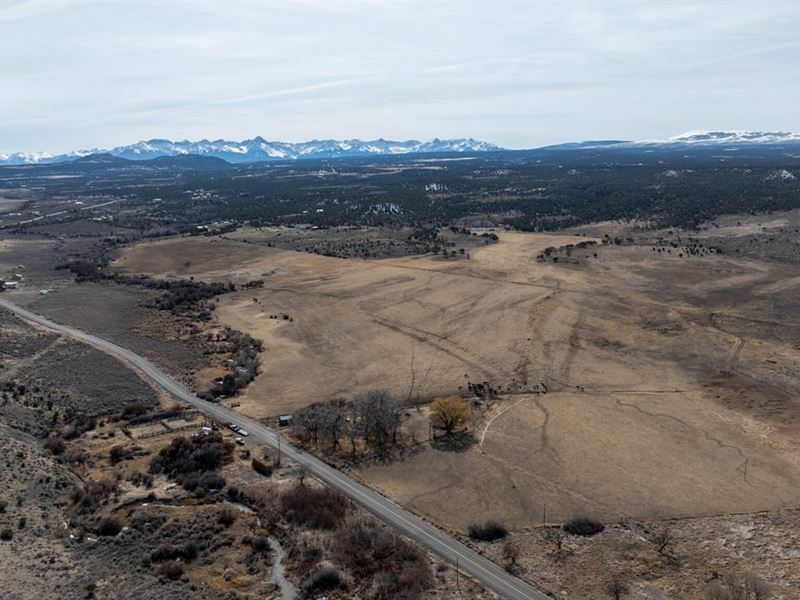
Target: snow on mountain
(703, 137)
(461, 145)
(698, 139)
(25, 158)
(259, 149)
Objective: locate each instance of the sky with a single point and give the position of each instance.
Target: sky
(93, 74)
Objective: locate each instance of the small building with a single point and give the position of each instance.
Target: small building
(10, 285)
(285, 420)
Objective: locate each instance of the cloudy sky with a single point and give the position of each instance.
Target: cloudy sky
(520, 74)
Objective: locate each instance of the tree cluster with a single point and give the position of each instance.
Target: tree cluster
(318, 508)
(194, 461)
(373, 418)
(371, 552)
(244, 350)
(179, 292)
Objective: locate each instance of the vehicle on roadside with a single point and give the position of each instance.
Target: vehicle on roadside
(239, 441)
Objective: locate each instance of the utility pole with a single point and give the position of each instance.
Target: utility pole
(458, 583)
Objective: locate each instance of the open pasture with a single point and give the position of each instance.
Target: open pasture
(670, 392)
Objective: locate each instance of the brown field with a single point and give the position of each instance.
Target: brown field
(37, 257)
(10, 204)
(672, 383)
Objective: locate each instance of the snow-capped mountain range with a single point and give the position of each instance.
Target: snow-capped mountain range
(730, 137)
(258, 149)
(700, 138)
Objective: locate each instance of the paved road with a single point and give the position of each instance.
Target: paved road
(440, 543)
(56, 214)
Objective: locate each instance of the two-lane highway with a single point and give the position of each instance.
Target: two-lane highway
(442, 544)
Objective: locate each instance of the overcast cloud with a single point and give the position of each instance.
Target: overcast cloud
(523, 74)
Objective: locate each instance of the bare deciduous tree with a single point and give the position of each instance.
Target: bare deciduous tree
(332, 420)
(510, 555)
(353, 428)
(307, 423)
(380, 415)
(301, 472)
(556, 536)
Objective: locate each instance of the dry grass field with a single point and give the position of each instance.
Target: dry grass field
(356, 324)
(9, 204)
(672, 382)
